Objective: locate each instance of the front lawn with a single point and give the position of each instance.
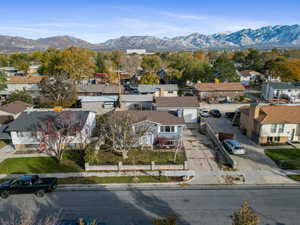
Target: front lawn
(34, 165)
(295, 177)
(285, 158)
(135, 157)
(116, 180)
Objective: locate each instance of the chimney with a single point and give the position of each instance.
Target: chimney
(161, 92)
(253, 114)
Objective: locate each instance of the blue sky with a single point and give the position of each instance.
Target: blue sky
(99, 20)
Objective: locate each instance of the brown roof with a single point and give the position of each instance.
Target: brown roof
(160, 117)
(99, 88)
(25, 80)
(184, 101)
(15, 107)
(231, 86)
(248, 73)
(279, 114)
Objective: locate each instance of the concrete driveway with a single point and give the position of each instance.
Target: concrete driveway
(199, 152)
(255, 158)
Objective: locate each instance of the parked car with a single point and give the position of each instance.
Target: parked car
(28, 184)
(204, 112)
(215, 113)
(234, 147)
(230, 115)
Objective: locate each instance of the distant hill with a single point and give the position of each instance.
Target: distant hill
(266, 37)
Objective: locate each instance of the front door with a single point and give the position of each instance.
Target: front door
(146, 139)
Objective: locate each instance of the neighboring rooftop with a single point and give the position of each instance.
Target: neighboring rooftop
(280, 114)
(25, 80)
(99, 88)
(285, 85)
(113, 98)
(136, 98)
(149, 88)
(15, 107)
(248, 73)
(32, 121)
(184, 101)
(270, 114)
(160, 117)
(228, 86)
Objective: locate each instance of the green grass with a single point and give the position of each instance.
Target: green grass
(112, 180)
(136, 157)
(285, 158)
(295, 177)
(37, 165)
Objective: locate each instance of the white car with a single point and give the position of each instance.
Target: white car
(204, 112)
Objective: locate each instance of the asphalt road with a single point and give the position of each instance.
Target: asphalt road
(139, 206)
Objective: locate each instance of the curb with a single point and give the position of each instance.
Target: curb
(75, 187)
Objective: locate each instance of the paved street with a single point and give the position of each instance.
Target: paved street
(222, 107)
(199, 207)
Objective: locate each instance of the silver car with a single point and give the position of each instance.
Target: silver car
(234, 147)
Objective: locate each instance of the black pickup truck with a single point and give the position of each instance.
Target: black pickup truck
(28, 184)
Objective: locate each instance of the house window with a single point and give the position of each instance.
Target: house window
(276, 139)
(108, 105)
(24, 134)
(270, 139)
(167, 129)
(170, 92)
(281, 128)
(273, 128)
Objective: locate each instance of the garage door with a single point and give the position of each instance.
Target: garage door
(190, 115)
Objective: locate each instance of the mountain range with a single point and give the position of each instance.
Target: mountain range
(280, 36)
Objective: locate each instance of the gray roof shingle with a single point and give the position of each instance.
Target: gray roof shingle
(31, 121)
(178, 102)
(160, 117)
(148, 88)
(285, 85)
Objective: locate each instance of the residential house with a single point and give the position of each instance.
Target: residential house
(9, 71)
(98, 104)
(250, 76)
(217, 91)
(158, 89)
(271, 123)
(160, 126)
(136, 102)
(25, 131)
(29, 83)
(33, 69)
(186, 107)
(277, 90)
(11, 111)
(99, 89)
(101, 78)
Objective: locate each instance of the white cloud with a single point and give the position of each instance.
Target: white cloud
(184, 16)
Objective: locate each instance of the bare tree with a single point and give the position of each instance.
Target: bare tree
(57, 133)
(122, 133)
(245, 216)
